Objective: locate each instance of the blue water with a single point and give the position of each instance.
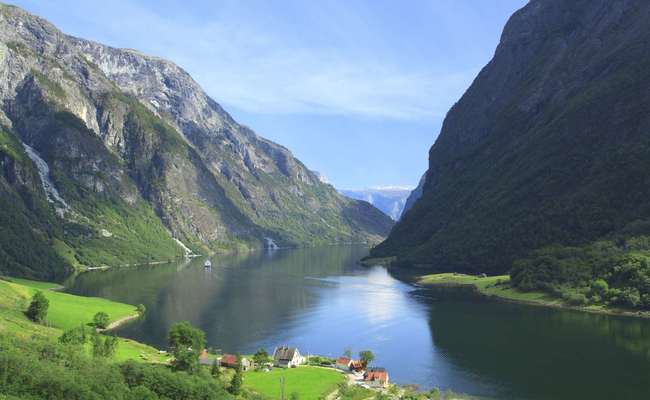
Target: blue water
(322, 301)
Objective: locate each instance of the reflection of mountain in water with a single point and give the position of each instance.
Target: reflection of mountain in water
(241, 299)
(517, 351)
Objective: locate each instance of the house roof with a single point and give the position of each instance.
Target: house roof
(343, 360)
(229, 359)
(381, 376)
(356, 364)
(285, 353)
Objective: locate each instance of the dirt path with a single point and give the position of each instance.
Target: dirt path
(119, 322)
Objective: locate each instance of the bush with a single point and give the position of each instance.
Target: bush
(104, 346)
(600, 287)
(37, 310)
(40, 369)
(101, 320)
(575, 299)
(75, 336)
(627, 297)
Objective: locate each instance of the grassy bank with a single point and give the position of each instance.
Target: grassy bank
(66, 311)
(308, 382)
(499, 287)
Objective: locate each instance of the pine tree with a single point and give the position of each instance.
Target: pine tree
(237, 379)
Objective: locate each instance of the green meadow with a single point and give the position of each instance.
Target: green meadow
(66, 311)
(307, 382)
(497, 286)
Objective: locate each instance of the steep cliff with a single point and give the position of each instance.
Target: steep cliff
(549, 145)
(131, 161)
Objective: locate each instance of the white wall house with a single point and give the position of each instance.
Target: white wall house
(287, 357)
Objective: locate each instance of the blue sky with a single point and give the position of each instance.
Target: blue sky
(356, 89)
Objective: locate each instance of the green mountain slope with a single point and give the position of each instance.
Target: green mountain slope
(549, 145)
(111, 157)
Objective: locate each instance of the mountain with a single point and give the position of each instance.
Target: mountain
(548, 146)
(112, 157)
(415, 194)
(389, 200)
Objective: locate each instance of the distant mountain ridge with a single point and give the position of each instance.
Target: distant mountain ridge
(390, 199)
(549, 145)
(112, 157)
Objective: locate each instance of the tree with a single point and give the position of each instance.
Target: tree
(348, 352)
(215, 371)
(98, 345)
(186, 344)
(74, 336)
(237, 379)
(101, 320)
(141, 309)
(37, 310)
(110, 346)
(366, 357)
(260, 357)
(104, 346)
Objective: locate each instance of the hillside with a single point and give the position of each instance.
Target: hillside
(548, 146)
(112, 157)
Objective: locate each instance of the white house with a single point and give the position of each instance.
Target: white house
(287, 357)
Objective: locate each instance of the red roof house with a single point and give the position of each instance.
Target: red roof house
(230, 361)
(343, 363)
(376, 377)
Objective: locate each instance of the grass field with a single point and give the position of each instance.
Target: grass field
(66, 311)
(491, 286)
(311, 383)
(69, 311)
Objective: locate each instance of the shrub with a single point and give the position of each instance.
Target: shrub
(75, 336)
(104, 346)
(101, 320)
(628, 297)
(37, 310)
(575, 299)
(600, 287)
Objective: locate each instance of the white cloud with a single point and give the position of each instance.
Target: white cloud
(255, 69)
(314, 81)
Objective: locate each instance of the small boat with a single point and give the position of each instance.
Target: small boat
(207, 264)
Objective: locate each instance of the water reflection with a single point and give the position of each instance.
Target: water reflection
(323, 302)
(516, 352)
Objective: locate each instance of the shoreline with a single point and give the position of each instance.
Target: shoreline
(119, 322)
(490, 291)
(113, 325)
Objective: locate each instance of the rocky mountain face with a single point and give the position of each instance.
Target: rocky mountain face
(415, 194)
(549, 145)
(109, 156)
(389, 200)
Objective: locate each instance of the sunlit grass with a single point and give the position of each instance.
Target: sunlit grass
(66, 311)
(308, 382)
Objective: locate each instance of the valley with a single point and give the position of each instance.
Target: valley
(153, 246)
